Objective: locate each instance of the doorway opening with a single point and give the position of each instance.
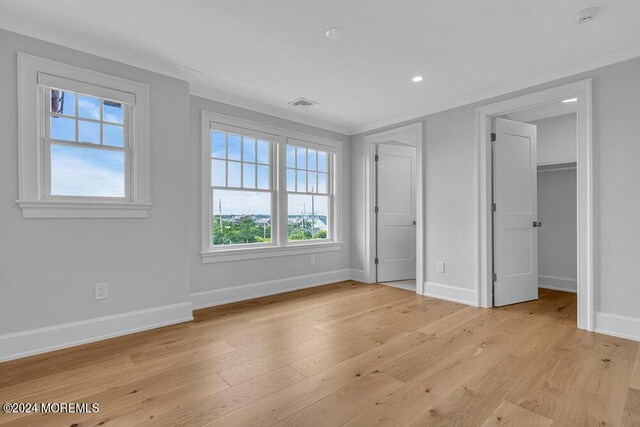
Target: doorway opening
(394, 210)
(526, 175)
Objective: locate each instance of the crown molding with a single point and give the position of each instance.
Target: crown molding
(567, 70)
(208, 92)
(80, 42)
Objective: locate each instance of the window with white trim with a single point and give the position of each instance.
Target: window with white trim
(83, 142)
(308, 195)
(242, 190)
(266, 191)
(86, 146)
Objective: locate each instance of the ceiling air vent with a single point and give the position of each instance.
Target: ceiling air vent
(303, 103)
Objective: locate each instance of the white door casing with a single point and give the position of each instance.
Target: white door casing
(515, 241)
(396, 216)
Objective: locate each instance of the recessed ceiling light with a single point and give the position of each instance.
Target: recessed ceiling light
(570, 100)
(417, 79)
(333, 33)
(586, 15)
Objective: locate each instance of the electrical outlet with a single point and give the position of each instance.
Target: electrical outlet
(101, 291)
(440, 266)
(312, 259)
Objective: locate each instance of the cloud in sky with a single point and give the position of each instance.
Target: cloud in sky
(79, 171)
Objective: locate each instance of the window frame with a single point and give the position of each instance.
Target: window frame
(36, 77)
(280, 245)
(272, 191)
(330, 194)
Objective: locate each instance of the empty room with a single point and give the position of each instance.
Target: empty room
(337, 213)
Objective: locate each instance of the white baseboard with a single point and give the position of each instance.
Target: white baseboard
(35, 341)
(565, 284)
(617, 325)
(261, 289)
(450, 293)
(357, 275)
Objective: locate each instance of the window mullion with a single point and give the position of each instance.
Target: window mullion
(281, 193)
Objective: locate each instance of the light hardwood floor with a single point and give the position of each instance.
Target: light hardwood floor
(344, 354)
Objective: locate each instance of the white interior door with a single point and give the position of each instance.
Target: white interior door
(515, 237)
(396, 212)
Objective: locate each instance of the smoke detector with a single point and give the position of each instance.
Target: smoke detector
(586, 15)
(333, 33)
(303, 103)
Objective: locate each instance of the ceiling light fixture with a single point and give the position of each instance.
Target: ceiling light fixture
(586, 15)
(417, 79)
(333, 33)
(570, 100)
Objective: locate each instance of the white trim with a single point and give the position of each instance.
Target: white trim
(357, 275)
(563, 71)
(17, 24)
(556, 283)
(271, 287)
(581, 90)
(617, 325)
(411, 132)
(280, 243)
(32, 157)
(451, 293)
(41, 340)
(232, 254)
(81, 209)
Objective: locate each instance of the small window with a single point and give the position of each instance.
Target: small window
(86, 139)
(84, 142)
(241, 185)
(308, 198)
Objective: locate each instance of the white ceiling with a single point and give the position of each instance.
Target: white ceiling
(264, 54)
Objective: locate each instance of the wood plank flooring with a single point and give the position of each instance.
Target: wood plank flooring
(344, 354)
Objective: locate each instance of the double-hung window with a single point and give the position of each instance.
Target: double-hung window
(308, 192)
(266, 191)
(241, 189)
(83, 142)
(86, 146)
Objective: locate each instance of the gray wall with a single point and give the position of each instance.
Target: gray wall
(451, 188)
(557, 139)
(208, 277)
(48, 267)
(558, 237)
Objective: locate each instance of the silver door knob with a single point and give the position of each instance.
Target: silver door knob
(537, 224)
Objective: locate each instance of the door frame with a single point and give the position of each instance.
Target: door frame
(410, 135)
(583, 91)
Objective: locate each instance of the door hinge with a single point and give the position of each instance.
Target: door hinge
(494, 207)
(375, 261)
(493, 137)
(376, 209)
(494, 277)
(376, 158)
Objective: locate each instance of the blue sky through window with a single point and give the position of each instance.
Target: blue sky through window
(82, 171)
(85, 171)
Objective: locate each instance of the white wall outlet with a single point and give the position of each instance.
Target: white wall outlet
(312, 259)
(101, 291)
(440, 266)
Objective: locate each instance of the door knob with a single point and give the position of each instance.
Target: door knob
(414, 222)
(537, 224)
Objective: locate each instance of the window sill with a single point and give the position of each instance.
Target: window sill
(82, 209)
(268, 252)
